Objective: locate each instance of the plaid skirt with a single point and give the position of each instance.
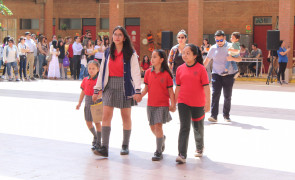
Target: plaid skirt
(158, 115)
(113, 94)
(87, 111)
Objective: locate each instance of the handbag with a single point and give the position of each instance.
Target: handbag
(96, 112)
(66, 62)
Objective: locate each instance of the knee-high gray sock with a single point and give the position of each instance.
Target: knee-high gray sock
(98, 140)
(92, 130)
(126, 137)
(105, 135)
(160, 144)
(66, 71)
(60, 70)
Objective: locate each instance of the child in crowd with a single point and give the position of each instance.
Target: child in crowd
(87, 90)
(145, 65)
(233, 51)
(193, 96)
(159, 85)
(83, 70)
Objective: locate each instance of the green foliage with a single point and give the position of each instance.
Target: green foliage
(64, 27)
(4, 10)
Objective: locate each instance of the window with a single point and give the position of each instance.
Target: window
(104, 23)
(70, 24)
(53, 22)
(29, 23)
(132, 21)
(262, 20)
(89, 22)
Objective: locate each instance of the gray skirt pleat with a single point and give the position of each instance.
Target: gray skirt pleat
(87, 111)
(158, 115)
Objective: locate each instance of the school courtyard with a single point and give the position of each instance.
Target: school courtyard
(43, 137)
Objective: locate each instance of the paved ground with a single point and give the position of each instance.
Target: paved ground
(43, 137)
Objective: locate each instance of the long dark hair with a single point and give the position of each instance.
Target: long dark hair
(281, 42)
(127, 46)
(164, 65)
(196, 51)
(104, 41)
(54, 43)
(98, 38)
(143, 60)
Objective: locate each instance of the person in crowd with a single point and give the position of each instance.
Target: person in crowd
(233, 51)
(83, 69)
(35, 39)
(23, 49)
(159, 86)
(244, 53)
(175, 55)
(11, 58)
(5, 43)
(61, 56)
(205, 48)
(106, 42)
(53, 70)
(193, 100)
(145, 65)
(86, 37)
(119, 83)
(70, 53)
(1, 57)
(272, 58)
(30, 43)
(68, 41)
(87, 91)
(283, 60)
(54, 38)
(219, 54)
(89, 51)
(43, 52)
(77, 49)
(99, 49)
(255, 53)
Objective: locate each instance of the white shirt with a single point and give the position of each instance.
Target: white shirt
(20, 47)
(12, 54)
(31, 45)
(98, 55)
(77, 48)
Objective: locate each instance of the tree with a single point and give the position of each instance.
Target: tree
(4, 10)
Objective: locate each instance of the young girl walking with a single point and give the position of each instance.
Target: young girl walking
(193, 95)
(87, 90)
(159, 85)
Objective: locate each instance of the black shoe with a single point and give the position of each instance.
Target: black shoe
(157, 156)
(227, 119)
(124, 150)
(93, 148)
(103, 151)
(163, 146)
(32, 78)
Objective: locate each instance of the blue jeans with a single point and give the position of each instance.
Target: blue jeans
(22, 66)
(42, 60)
(1, 61)
(233, 63)
(83, 72)
(14, 66)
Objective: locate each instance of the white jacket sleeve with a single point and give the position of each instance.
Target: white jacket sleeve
(135, 73)
(4, 54)
(98, 86)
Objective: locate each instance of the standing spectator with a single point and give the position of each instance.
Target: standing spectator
(77, 49)
(99, 49)
(5, 43)
(10, 57)
(145, 65)
(255, 53)
(273, 56)
(22, 49)
(219, 53)
(205, 49)
(86, 37)
(1, 57)
(61, 56)
(175, 55)
(283, 60)
(53, 70)
(54, 38)
(30, 55)
(106, 42)
(89, 51)
(70, 54)
(244, 53)
(43, 51)
(120, 84)
(34, 38)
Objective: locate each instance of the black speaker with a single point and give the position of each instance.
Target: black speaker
(273, 40)
(167, 40)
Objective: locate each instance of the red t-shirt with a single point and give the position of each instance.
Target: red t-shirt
(145, 66)
(158, 84)
(116, 67)
(191, 81)
(88, 84)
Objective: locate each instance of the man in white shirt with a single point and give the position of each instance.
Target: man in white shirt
(30, 55)
(77, 50)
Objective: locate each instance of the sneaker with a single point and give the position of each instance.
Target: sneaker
(157, 156)
(93, 148)
(227, 119)
(32, 78)
(199, 153)
(236, 75)
(163, 146)
(17, 80)
(224, 73)
(279, 82)
(103, 151)
(9, 79)
(124, 150)
(212, 119)
(284, 82)
(180, 159)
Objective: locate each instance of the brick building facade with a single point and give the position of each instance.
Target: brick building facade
(197, 17)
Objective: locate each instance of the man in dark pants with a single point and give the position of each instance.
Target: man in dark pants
(219, 53)
(77, 50)
(255, 53)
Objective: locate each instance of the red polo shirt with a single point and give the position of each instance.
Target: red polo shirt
(116, 67)
(191, 80)
(88, 84)
(145, 66)
(158, 84)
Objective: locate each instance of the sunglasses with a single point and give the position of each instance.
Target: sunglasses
(182, 37)
(221, 40)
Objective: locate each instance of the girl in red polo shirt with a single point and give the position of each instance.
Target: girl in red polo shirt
(159, 85)
(193, 96)
(87, 90)
(145, 65)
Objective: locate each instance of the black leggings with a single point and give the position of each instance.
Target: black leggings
(282, 69)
